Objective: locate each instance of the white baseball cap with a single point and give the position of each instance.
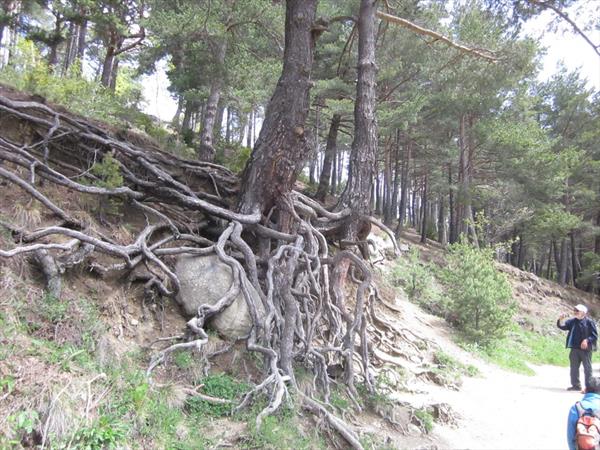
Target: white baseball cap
(581, 308)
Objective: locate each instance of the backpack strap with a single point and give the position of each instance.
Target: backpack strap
(591, 412)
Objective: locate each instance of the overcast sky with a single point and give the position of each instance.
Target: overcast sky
(568, 47)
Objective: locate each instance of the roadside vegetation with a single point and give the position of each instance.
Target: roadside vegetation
(475, 298)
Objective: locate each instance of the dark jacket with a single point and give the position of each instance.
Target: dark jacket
(580, 330)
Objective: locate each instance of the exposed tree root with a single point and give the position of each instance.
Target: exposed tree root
(302, 314)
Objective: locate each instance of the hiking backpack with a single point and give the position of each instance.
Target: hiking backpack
(587, 431)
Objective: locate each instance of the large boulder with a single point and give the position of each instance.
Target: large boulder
(205, 280)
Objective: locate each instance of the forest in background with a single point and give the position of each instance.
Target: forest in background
(469, 141)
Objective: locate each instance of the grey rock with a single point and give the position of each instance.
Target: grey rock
(205, 280)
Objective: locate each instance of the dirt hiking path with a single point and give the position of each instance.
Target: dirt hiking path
(498, 409)
(503, 410)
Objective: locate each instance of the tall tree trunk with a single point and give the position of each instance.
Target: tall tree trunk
(452, 228)
(329, 156)
(249, 135)
(177, 116)
(357, 193)
(548, 267)
(206, 151)
(414, 206)
(334, 171)
(312, 168)
(396, 187)
(281, 148)
(404, 185)
(340, 166)
(442, 236)
(521, 254)
(228, 125)
(187, 115)
(71, 47)
(378, 197)
(107, 66)
(114, 73)
(562, 273)
(597, 240)
(387, 183)
(219, 121)
(575, 264)
(425, 212)
(81, 39)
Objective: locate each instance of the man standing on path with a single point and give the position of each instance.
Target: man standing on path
(591, 400)
(581, 339)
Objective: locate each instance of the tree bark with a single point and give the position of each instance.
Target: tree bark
(71, 47)
(334, 171)
(396, 187)
(329, 156)
(562, 273)
(387, 185)
(114, 74)
(312, 168)
(107, 66)
(377, 197)
(404, 185)
(425, 213)
(576, 265)
(206, 152)
(452, 228)
(187, 115)
(442, 236)
(549, 262)
(356, 195)
(597, 240)
(81, 39)
(521, 254)
(281, 148)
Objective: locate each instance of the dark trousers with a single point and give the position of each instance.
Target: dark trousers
(576, 357)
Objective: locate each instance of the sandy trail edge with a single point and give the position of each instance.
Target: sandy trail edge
(498, 409)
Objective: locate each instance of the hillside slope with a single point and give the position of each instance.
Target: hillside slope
(72, 369)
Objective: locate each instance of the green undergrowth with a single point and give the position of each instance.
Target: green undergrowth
(475, 298)
(29, 72)
(521, 348)
(109, 403)
(452, 367)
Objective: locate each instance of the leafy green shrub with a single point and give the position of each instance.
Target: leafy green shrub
(53, 309)
(183, 359)
(220, 386)
(282, 431)
(418, 281)
(481, 301)
(425, 419)
(449, 364)
(29, 71)
(105, 433)
(25, 420)
(108, 173)
(232, 155)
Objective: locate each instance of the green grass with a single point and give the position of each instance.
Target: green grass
(220, 386)
(425, 418)
(282, 430)
(520, 347)
(449, 364)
